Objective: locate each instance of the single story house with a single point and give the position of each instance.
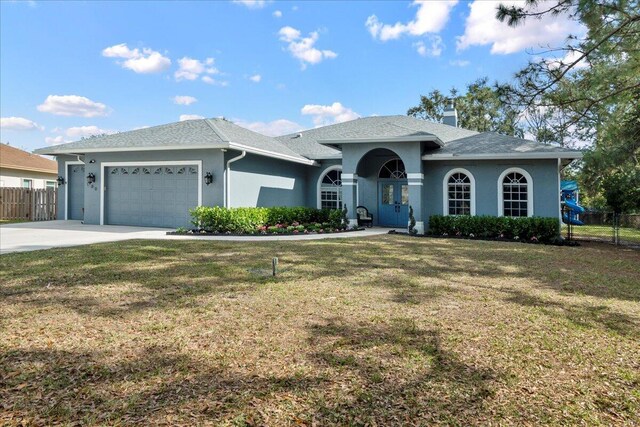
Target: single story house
(19, 168)
(153, 176)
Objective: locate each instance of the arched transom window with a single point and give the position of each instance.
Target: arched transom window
(393, 169)
(515, 195)
(331, 190)
(459, 194)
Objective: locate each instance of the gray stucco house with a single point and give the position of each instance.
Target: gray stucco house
(153, 176)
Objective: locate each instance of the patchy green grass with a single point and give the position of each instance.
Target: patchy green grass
(604, 232)
(386, 330)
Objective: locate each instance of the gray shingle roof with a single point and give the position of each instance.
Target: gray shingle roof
(205, 133)
(491, 143)
(186, 133)
(368, 127)
(221, 133)
(457, 141)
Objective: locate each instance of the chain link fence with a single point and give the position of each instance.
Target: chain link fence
(606, 227)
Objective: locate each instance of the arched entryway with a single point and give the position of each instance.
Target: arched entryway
(393, 194)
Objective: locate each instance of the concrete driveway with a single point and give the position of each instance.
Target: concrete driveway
(31, 236)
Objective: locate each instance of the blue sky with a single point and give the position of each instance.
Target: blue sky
(71, 69)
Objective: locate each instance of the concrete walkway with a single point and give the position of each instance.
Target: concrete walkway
(31, 236)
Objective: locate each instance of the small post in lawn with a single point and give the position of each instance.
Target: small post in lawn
(274, 265)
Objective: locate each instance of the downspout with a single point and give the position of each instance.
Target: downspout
(227, 174)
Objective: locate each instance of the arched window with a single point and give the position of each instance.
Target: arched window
(515, 189)
(393, 169)
(330, 189)
(459, 193)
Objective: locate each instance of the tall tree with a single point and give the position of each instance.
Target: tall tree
(480, 109)
(595, 83)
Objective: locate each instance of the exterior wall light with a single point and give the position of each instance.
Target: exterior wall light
(60, 180)
(208, 178)
(91, 178)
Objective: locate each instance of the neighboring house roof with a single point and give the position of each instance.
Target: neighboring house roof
(491, 145)
(14, 158)
(309, 143)
(188, 134)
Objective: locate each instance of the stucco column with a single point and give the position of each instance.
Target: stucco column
(350, 197)
(416, 181)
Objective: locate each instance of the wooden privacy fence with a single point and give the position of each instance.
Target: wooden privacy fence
(27, 204)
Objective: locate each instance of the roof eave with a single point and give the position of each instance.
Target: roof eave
(267, 153)
(505, 156)
(75, 151)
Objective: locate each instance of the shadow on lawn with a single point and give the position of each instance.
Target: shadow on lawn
(396, 373)
(364, 373)
(55, 386)
(584, 316)
(176, 273)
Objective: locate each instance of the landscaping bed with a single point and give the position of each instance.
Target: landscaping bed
(266, 231)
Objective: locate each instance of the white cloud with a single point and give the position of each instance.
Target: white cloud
(256, 78)
(252, 4)
(303, 48)
(86, 131)
(18, 123)
(184, 117)
(569, 58)
(184, 99)
(72, 105)
(482, 28)
(142, 62)
(211, 81)
(54, 140)
(459, 62)
(433, 47)
(328, 114)
(277, 14)
(274, 128)
(192, 69)
(431, 17)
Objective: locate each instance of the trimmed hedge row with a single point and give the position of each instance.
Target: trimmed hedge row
(525, 229)
(251, 220)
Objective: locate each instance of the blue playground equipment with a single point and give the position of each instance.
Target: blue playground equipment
(569, 199)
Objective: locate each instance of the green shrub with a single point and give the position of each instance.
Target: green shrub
(529, 229)
(250, 220)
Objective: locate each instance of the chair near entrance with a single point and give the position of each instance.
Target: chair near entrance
(364, 217)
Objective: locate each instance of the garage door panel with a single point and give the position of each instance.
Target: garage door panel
(157, 196)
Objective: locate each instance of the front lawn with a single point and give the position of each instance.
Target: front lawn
(387, 330)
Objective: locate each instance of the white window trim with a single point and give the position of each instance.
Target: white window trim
(319, 183)
(30, 187)
(529, 190)
(397, 179)
(105, 165)
(445, 190)
(66, 186)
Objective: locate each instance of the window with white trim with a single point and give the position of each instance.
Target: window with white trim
(393, 169)
(27, 183)
(331, 190)
(50, 184)
(459, 194)
(515, 195)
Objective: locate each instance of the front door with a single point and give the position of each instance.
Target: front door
(393, 203)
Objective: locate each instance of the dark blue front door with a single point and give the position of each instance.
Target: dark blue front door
(393, 203)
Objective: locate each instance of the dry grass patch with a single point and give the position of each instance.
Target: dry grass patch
(379, 331)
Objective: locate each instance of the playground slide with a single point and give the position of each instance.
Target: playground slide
(574, 210)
